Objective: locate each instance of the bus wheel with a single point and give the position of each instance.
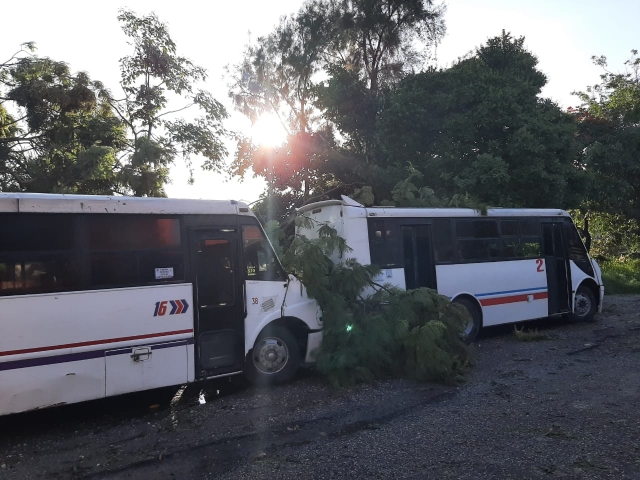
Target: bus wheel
(585, 306)
(473, 326)
(274, 359)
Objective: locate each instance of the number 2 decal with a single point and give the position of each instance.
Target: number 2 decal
(540, 262)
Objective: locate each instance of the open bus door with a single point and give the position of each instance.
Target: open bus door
(219, 302)
(557, 267)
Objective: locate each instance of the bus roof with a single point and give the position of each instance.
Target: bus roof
(64, 203)
(435, 212)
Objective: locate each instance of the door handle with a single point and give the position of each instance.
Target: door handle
(141, 354)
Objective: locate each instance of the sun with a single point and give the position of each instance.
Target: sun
(268, 131)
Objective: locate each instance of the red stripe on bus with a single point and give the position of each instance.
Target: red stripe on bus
(488, 302)
(94, 342)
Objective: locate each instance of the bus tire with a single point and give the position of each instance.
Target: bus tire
(471, 332)
(584, 305)
(274, 359)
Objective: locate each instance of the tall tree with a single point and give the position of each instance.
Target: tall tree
(481, 128)
(152, 74)
(609, 127)
(56, 134)
(276, 77)
(363, 46)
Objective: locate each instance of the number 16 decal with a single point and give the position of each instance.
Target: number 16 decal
(540, 263)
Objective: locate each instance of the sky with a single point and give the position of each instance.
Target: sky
(563, 34)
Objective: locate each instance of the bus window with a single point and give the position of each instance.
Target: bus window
(577, 251)
(478, 240)
(442, 240)
(55, 274)
(529, 248)
(509, 228)
(134, 250)
(37, 232)
(38, 254)
(385, 244)
(215, 274)
(260, 261)
(111, 232)
(529, 227)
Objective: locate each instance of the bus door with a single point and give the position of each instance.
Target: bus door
(217, 281)
(557, 267)
(419, 267)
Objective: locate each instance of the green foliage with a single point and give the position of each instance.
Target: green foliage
(609, 128)
(621, 275)
(61, 136)
(364, 47)
(480, 129)
(414, 334)
(149, 76)
(534, 335)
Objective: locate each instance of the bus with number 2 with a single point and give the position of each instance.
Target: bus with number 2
(507, 266)
(102, 296)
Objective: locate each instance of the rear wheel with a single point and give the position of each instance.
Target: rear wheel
(584, 305)
(470, 331)
(275, 357)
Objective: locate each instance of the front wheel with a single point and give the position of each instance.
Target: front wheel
(274, 359)
(475, 319)
(584, 305)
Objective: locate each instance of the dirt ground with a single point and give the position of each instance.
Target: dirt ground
(564, 407)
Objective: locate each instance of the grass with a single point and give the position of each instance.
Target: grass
(621, 276)
(529, 335)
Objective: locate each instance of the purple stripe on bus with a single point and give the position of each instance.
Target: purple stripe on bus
(75, 357)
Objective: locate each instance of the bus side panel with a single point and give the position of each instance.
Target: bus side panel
(72, 340)
(29, 388)
(356, 233)
(507, 291)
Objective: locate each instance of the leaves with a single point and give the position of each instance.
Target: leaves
(414, 334)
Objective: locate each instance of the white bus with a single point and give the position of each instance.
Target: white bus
(508, 266)
(101, 296)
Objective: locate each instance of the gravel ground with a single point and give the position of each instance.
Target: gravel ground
(563, 407)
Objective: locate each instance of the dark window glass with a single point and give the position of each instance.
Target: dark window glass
(510, 247)
(28, 232)
(577, 251)
(260, 261)
(529, 247)
(493, 247)
(385, 244)
(477, 229)
(529, 227)
(137, 232)
(509, 228)
(57, 273)
(215, 274)
(472, 249)
(442, 240)
(478, 249)
(160, 266)
(521, 248)
(133, 250)
(547, 240)
(114, 269)
(464, 229)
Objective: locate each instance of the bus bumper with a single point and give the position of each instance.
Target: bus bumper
(601, 298)
(314, 340)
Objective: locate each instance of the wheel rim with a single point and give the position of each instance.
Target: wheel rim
(583, 304)
(270, 355)
(469, 327)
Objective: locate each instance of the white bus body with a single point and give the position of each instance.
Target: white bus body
(101, 296)
(508, 266)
